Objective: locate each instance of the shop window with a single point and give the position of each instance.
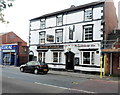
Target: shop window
(41, 56)
(59, 20)
(42, 37)
(59, 36)
(88, 33)
(57, 57)
(88, 14)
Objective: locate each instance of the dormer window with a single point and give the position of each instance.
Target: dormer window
(59, 19)
(88, 14)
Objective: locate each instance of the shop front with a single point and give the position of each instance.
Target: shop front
(9, 54)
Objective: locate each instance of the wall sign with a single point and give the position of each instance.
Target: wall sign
(84, 45)
(51, 47)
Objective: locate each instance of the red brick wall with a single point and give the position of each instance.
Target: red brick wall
(115, 64)
(12, 38)
(111, 21)
(108, 65)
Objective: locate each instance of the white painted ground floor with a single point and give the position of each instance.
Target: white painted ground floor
(70, 56)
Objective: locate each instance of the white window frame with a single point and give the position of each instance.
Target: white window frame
(42, 57)
(59, 36)
(42, 23)
(92, 60)
(42, 37)
(59, 57)
(88, 33)
(59, 20)
(88, 14)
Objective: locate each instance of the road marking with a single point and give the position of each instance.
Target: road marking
(65, 88)
(11, 77)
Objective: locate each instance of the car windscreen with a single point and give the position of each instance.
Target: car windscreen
(33, 63)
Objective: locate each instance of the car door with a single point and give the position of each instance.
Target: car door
(28, 66)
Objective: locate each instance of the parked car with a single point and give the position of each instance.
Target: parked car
(34, 67)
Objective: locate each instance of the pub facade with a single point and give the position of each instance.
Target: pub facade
(71, 39)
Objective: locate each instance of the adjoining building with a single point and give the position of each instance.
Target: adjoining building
(119, 15)
(112, 53)
(72, 39)
(13, 50)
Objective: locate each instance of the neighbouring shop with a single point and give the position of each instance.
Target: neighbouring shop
(9, 54)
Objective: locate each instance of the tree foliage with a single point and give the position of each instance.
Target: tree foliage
(4, 4)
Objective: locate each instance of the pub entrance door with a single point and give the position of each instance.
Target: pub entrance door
(69, 60)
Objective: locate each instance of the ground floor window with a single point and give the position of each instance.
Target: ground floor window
(57, 57)
(41, 56)
(87, 57)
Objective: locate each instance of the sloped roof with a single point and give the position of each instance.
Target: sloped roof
(15, 39)
(69, 9)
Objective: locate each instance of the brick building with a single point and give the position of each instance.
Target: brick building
(112, 54)
(119, 15)
(13, 48)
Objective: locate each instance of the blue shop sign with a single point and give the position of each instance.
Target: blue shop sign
(9, 47)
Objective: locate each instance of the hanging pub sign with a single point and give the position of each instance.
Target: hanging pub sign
(50, 38)
(51, 47)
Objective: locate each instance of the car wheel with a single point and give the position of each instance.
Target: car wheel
(21, 69)
(36, 71)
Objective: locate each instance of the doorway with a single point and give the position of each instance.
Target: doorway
(69, 60)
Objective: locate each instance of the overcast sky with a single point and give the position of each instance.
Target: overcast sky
(24, 10)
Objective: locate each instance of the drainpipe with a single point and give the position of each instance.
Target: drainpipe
(111, 64)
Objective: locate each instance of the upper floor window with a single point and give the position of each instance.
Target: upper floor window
(42, 23)
(88, 14)
(42, 37)
(59, 36)
(59, 20)
(88, 33)
(71, 30)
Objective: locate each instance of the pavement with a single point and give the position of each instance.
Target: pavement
(76, 74)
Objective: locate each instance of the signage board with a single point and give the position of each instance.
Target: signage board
(51, 47)
(8, 47)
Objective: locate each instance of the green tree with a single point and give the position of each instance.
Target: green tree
(4, 4)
